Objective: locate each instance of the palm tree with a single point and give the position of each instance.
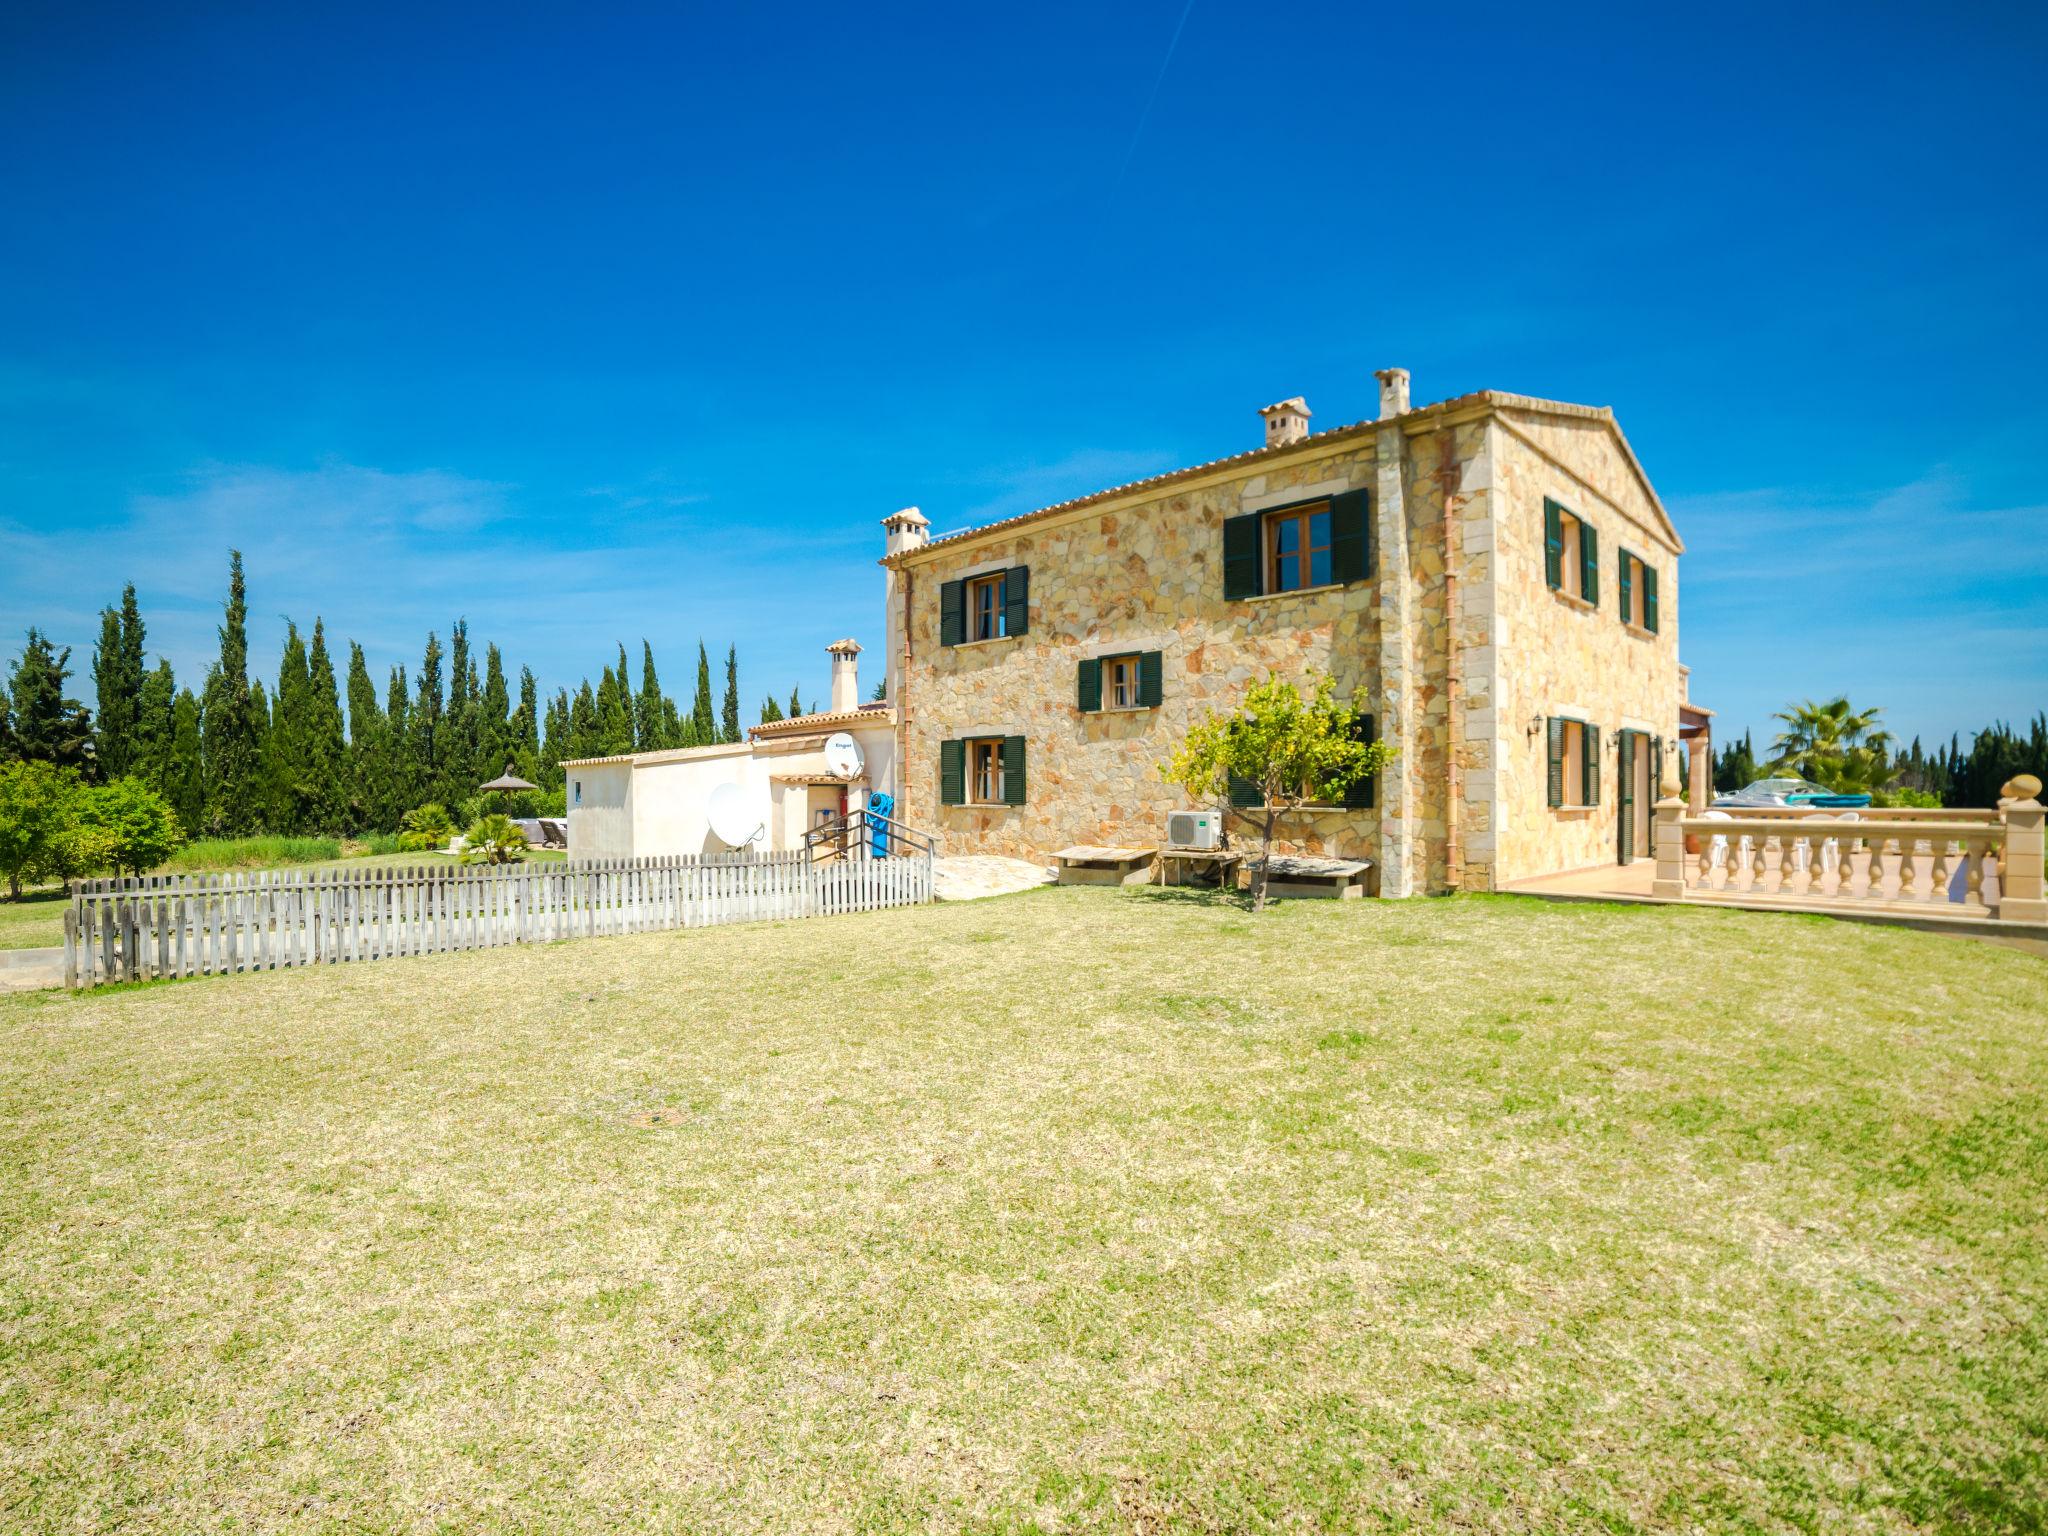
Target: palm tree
(1835, 745)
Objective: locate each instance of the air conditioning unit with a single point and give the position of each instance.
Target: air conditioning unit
(1194, 829)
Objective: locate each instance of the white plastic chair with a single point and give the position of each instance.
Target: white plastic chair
(1717, 850)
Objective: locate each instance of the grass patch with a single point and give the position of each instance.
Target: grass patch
(1472, 1215)
(208, 854)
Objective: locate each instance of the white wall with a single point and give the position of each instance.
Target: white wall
(671, 799)
(601, 811)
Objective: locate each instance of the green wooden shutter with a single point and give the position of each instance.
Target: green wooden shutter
(1017, 600)
(1090, 686)
(1627, 589)
(1241, 556)
(1363, 793)
(1650, 598)
(1244, 794)
(1589, 563)
(1656, 768)
(1151, 679)
(1553, 546)
(952, 773)
(1556, 742)
(1590, 734)
(952, 612)
(1350, 536)
(1013, 770)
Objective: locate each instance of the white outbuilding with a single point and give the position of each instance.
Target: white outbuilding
(788, 777)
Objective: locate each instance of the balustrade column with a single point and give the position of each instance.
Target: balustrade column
(1667, 837)
(2020, 895)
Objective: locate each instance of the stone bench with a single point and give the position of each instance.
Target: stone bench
(1293, 875)
(1087, 864)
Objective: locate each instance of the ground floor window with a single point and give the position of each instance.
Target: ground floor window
(1574, 767)
(985, 771)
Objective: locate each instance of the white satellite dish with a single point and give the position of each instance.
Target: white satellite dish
(842, 756)
(732, 818)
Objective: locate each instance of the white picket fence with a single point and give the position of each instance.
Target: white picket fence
(140, 929)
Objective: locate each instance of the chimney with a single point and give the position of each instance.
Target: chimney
(905, 530)
(1286, 422)
(845, 656)
(1393, 392)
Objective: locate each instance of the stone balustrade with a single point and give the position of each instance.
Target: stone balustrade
(1974, 864)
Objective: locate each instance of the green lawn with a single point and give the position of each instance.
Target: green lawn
(1085, 1210)
(37, 919)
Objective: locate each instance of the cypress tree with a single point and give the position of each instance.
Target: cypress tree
(770, 710)
(614, 717)
(729, 716)
(584, 740)
(400, 767)
(117, 671)
(650, 719)
(323, 751)
(369, 747)
(424, 727)
(672, 730)
(264, 784)
(156, 706)
(526, 728)
(187, 786)
(555, 743)
(48, 727)
(703, 724)
(227, 718)
(494, 731)
(292, 795)
(796, 703)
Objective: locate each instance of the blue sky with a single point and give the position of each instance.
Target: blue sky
(592, 324)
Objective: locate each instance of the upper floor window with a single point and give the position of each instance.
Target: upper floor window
(1132, 681)
(1320, 543)
(1638, 593)
(1298, 549)
(1120, 682)
(1571, 553)
(994, 605)
(985, 607)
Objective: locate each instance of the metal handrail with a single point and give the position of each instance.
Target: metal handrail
(856, 829)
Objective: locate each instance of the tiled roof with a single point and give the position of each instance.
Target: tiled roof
(1419, 417)
(665, 755)
(862, 713)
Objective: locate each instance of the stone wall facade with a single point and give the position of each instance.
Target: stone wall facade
(1446, 642)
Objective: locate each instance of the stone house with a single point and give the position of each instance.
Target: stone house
(1491, 578)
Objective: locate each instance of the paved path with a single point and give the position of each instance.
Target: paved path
(30, 970)
(964, 877)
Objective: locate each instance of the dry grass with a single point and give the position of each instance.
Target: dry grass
(1081, 1210)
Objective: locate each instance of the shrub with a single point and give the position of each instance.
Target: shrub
(38, 811)
(493, 840)
(142, 829)
(1917, 799)
(251, 853)
(425, 828)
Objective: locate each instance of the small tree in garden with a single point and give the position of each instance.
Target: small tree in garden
(142, 829)
(1294, 750)
(426, 828)
(493, 840)
(38, 807)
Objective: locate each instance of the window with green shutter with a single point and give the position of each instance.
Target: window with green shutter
(1554, 735)
(1364, 793)
(1244, 794)
(1241, 560)
(1650, 598)
(1571, 553)
(1088, 688)
(1589, 736)
(1572, 779)
(1553, 545)
(1013, 770)
(1628, 586)
(952, 773)
(1151, 679)
(1589, 563)
(1638, 593)
(1351, 536)
(952, 612)
(1017, 600)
